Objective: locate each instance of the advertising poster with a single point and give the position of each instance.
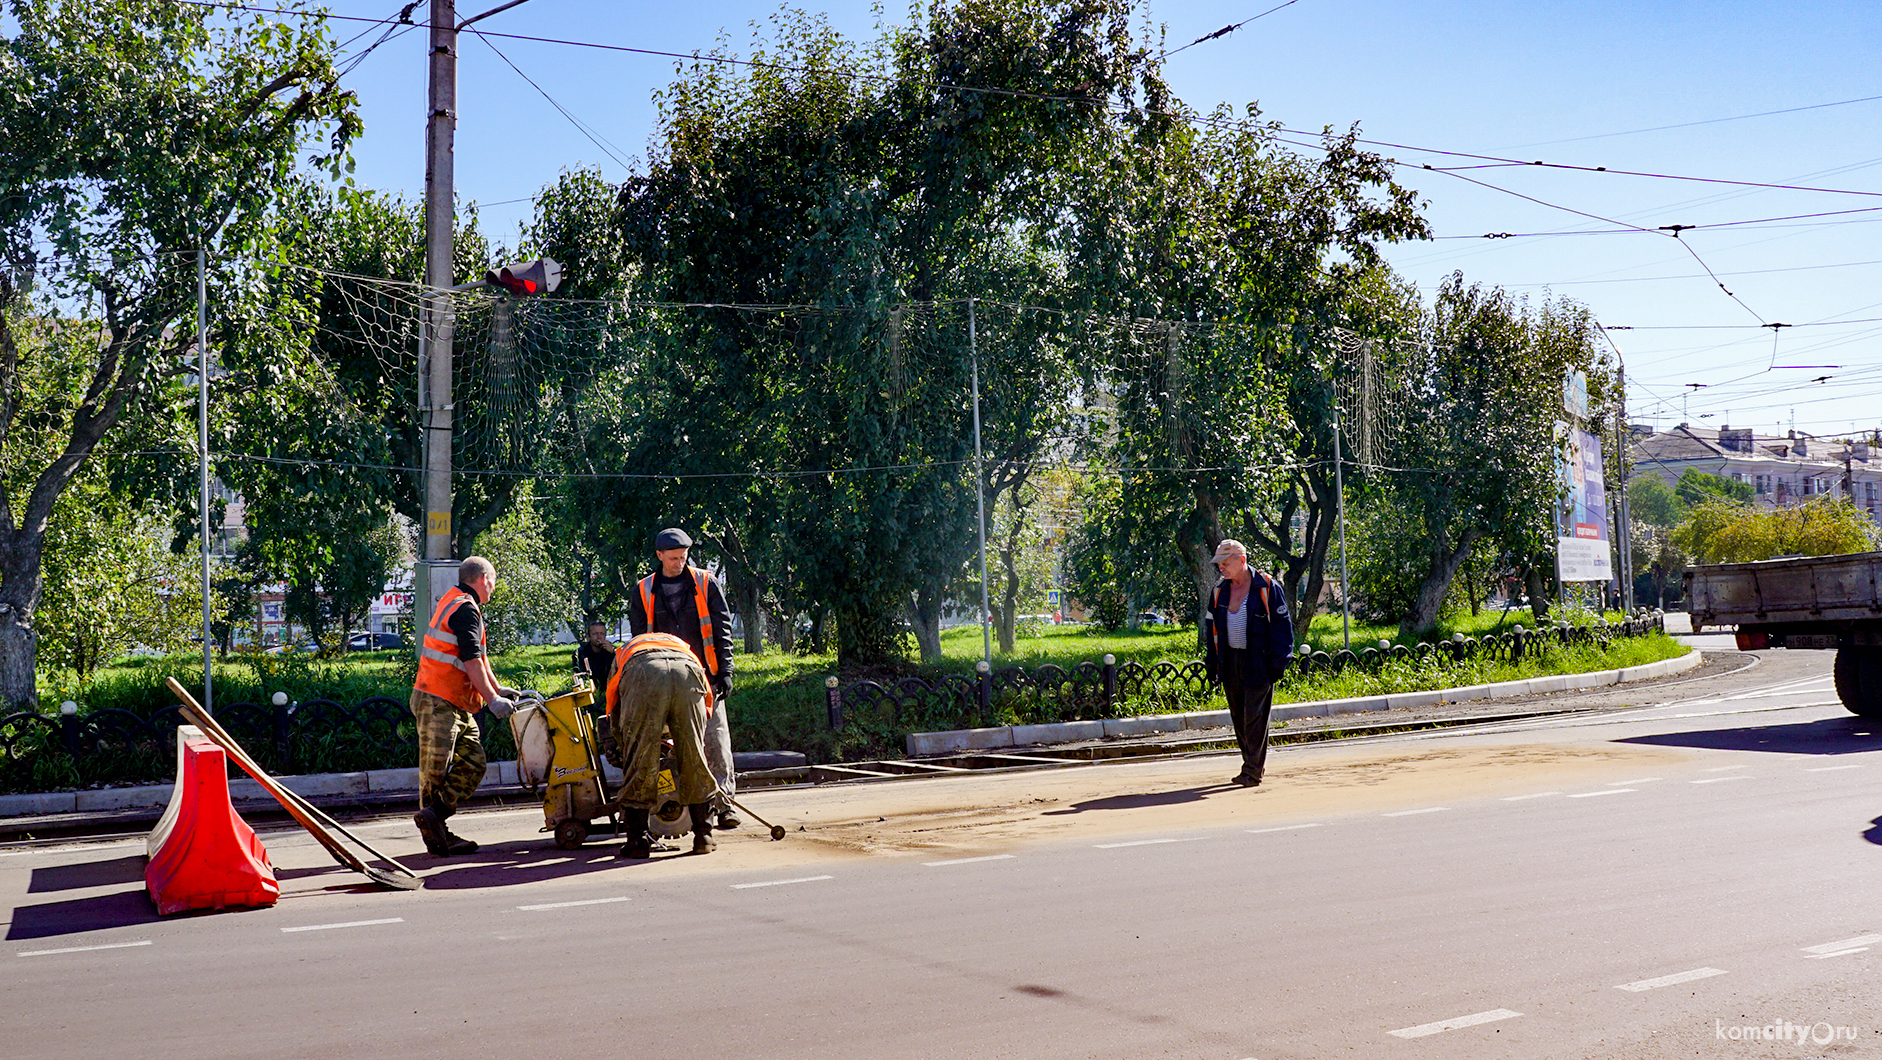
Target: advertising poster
(1581, 547)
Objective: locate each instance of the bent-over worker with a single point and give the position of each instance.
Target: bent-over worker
(688, 602)
(659, 687)
(454, 679)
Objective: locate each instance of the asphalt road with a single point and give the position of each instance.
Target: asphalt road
(1676, 878)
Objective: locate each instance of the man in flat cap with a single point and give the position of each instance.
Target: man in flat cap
(1250, 641)
(688, 602)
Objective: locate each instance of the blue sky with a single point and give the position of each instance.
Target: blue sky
(1559, 82)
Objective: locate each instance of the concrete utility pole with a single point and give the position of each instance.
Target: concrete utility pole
(440, 218)
(202, 441)
(434, 367)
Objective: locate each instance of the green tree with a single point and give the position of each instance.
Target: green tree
(137, 131)
(1654, 503)
(1722, 531)
(1696, 487)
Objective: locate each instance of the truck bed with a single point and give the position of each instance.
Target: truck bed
(1828, 592)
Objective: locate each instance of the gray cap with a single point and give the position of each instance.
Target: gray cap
(671, 537)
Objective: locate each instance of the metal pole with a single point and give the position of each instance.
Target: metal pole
(202, 442)
(1339, 506)
(440, 215)
(980, 496)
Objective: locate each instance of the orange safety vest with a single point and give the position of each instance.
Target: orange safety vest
(645, 642)
(440, 671)
(699, 605)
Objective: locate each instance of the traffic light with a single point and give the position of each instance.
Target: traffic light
(527, 277)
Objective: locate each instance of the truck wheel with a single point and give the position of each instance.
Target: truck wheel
(1858, 673)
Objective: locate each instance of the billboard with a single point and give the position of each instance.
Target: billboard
(1581, 540)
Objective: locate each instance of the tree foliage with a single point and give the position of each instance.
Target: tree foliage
(1721, 531)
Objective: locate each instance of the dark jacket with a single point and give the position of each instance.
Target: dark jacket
(1270, 631)
(685, 625)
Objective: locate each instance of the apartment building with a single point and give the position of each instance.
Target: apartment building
(1781, 469)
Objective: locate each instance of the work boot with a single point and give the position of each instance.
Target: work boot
(725, 818)
(702, 829)
(639, 845)
(431, 827)
(1248, 780)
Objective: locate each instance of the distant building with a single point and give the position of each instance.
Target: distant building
(1780, 469)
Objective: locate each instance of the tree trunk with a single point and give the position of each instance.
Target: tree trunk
(1437, 581)
(1538, 588)
(1006, 610)
(20, 584)
(924, 614)
(783, 630)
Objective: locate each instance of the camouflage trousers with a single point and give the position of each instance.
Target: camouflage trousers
(450, 754)
(662, 691)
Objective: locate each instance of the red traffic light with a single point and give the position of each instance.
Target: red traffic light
(527, 277)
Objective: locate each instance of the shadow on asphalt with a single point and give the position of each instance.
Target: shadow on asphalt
(1829, 736)
(121, 909)
(128, 869)
(1137, 802)
(1874, 834)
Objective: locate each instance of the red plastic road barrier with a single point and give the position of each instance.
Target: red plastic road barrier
(202, 854)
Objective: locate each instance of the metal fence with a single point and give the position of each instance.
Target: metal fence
(1110, 689)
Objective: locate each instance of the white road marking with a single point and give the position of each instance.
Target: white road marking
(1147, 842)
(1642, 780)
(1845, 946)
(780, 883)
(570, 905)
(968, 861)
(84, 949)
(1603, 791)
(1831, 769)
(348, 924)
(1452, 1024)
(1836, 953)
(1283, 828)
(1536, 795)
(1671, 980)
(1721, 769)
(1408, 813)
(1715, 780)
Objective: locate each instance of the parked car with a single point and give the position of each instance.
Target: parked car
(374, 641)
(1154, 618)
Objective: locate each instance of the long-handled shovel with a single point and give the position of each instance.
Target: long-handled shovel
(309, 816)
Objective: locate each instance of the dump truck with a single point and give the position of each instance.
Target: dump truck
(1814, 602)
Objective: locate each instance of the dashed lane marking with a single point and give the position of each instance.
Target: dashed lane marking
(1282, 828)
(1603, 791)
(780, 883)
(1533, 795)
(571, 905)
(1454, 1023)
(1837, 949)
(1715, 780)
(1642, 780)
(86, 949)
(1721, 769)
(1831, 769)
(1147, 842)
(347, 924)
(967, 861)
(1671, 980)
(1408, 813)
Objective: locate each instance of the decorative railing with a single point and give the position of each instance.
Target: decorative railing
(1109, 689)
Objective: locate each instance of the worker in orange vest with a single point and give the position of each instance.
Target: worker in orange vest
(683, 600)
(454, 680)
(659, 687)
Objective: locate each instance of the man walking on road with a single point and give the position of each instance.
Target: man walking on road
(1250, 642)
(659, 687)
(687, 602)
(454, 679)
